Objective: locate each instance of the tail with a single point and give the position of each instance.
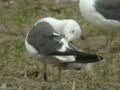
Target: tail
(77, 66)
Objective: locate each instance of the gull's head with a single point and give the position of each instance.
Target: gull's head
(72, 30)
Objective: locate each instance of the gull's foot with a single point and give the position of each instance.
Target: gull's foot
(45, 77)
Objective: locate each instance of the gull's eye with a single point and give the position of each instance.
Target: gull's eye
(73, 31)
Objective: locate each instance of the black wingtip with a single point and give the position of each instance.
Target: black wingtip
(88, 58)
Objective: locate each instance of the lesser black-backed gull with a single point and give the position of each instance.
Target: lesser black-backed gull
(71, 30)
(104, 14)
(43, 41)
(68, 28)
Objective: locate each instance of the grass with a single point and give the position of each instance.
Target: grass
(19, 18)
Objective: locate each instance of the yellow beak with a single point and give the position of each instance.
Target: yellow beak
(67, 39)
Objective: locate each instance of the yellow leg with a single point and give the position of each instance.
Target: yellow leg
(109, 42)
(74, 84)
(25, 72)
(89, 30)
(45, 72)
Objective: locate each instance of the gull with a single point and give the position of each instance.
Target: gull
(104, 14)
(45, 44)
(71, 30)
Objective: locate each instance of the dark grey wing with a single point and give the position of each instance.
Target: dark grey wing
(42, 38)
(110, 9)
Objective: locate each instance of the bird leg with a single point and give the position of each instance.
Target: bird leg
(45, 72)
(89, 30)
(109, 41)
(25, 71)
(59, 71)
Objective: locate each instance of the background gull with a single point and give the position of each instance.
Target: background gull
(104, 14)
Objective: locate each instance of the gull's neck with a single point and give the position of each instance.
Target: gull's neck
(62, 24)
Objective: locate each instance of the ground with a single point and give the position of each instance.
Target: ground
(16, 19)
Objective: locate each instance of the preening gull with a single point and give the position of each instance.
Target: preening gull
(71, 30)
(104, 14)
(42, 42)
